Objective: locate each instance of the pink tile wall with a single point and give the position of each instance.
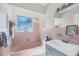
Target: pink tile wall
(54, 34)
(26, 40)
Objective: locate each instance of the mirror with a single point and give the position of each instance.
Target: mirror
(67, 16)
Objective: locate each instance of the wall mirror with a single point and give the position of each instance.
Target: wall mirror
(68, 16)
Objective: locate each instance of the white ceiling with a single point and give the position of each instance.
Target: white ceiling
(43, 4)
(38, 7)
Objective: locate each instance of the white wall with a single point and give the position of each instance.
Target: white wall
(67, 19)
(4, 8)
(76, 19)
(24, 12)
(13, 11)
(50, 16)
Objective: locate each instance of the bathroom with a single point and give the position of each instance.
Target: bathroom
(36, 29)
(21, 37)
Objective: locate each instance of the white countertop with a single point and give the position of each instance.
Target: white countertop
(66, 48)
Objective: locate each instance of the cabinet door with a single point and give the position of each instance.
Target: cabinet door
(50, 51)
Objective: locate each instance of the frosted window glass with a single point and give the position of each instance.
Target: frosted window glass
(24, 24)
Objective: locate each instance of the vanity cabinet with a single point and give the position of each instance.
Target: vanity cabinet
(50, 51)
(59, 48)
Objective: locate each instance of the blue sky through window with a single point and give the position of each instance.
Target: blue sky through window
(24, 23)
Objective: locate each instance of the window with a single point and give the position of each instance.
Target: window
(24, 24)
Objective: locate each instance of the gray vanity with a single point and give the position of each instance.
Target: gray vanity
(59, 48)
(50, 51)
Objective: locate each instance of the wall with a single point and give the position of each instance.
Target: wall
(4, 51)
(49, 19)
(50, 16)
(76, 19)
(25, 40)
(60, 34)
(3, 22)
(67, 19)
